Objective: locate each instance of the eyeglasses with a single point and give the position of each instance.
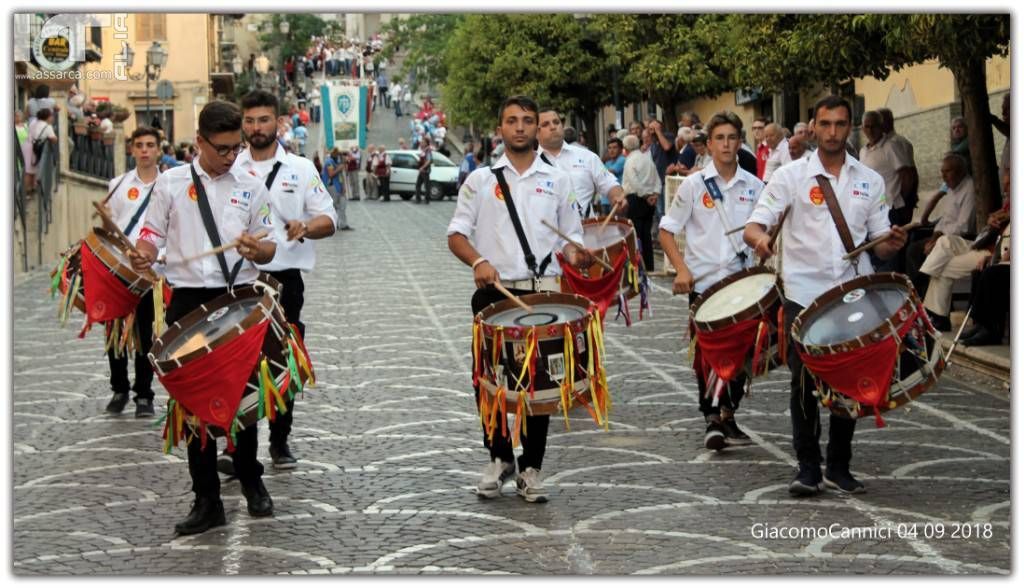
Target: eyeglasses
(758, 128)
(224, 150)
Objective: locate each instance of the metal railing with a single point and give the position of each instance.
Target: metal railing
(92, 153)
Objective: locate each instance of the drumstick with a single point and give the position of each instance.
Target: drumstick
(222, 248)
(120, 236)
(959, 332)
(878, 241)
(611, 213)
(736, 229)
(600, 261)
(513, 297)
(774, 234)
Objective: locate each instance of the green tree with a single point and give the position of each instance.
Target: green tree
(663, 57)
(550, 57)
(424, 38)
(294, 43)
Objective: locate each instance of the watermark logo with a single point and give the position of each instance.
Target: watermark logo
(59, 45)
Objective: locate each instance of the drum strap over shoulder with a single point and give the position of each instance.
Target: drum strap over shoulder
(531, 260)
(138, 213)
(211, 228)
(273, 174)
(716, 195)
(837, 217)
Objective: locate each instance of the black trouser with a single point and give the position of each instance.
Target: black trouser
(423, 179)
(143, 369)
(991, 298)
(642, 215)
(384, 187)
(292, 290)
(914, 259)
(536, 438)
(202, 463)
(803, 409)
(732, 394)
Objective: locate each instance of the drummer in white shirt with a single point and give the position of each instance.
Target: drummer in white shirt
(305, 212)
(482, 236)
(586, 170)
(130, 196)
(814, 264)
(706, 205)
(240, 206)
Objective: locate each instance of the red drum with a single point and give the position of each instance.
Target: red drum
(606, 244)
(230, 362)
(737, 322)
(68, 275)
(541, 363)
(870, 341)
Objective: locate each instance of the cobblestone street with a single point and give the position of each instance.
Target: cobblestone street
(389, 451)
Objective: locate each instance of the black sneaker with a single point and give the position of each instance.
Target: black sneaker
(839, 478)
(282, 457)
(205, 514)
(808, 481)
(714, 436)
(225, 464)
(940, 322)
(117, 403)
(144, 408)
(258, 501)
(733, 434)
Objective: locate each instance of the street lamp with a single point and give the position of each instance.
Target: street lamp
(156, 59)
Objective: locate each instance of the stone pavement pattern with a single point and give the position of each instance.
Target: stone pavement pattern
(389, 450)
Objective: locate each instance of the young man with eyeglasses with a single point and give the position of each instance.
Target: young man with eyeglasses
(240, 207)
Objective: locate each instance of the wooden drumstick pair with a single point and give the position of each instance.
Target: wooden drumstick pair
(773, 236)
(599, 261)
(113, 229)
(222, 248)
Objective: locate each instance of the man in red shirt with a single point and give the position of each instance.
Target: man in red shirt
(763, 149)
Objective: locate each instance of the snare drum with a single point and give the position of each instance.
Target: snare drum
(606, 244)
(737, 314)
(269, 370)
(541, 363)
(870, 340)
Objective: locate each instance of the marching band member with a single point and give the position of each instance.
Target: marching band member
(305, 212)
(130, 197)
(706, 205)
(195, 208)
(813, 246)
(482, 234)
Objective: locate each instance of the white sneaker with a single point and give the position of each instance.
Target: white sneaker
(494, 477)
(529, 486)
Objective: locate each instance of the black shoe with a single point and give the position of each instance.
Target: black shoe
(282, 457)
(225, 464)
(258, 500)
(733, 434)
(839, 478)
(144, 408)
(117, 403)
(714, 435)
(983, 336)
(205, 514)
(941, 323)
(971, 332)
(807, 481)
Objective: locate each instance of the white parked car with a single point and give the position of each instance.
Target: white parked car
(404, 168)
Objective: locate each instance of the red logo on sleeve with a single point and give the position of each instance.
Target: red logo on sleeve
(133, 194)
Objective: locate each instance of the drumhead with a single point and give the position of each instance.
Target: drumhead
(114, 250)
(737, 296)
(210, 328)
(542, 316)
(595, 237)
(856, 313)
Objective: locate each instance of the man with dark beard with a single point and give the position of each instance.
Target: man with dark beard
(304, 211)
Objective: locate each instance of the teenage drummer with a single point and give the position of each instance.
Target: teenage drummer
(239, 206)
(305, 212)
(813, 249)
(706, 206)
(482, 235)
(130, 196)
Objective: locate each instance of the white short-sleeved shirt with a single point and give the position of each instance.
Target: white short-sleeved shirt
(239, 202)
(126, 200)
(810, 241)
(959, 210)
(297, 193)
(777, 158)
(587, 172)
(543, 192)
(887, 158)
(693, 210)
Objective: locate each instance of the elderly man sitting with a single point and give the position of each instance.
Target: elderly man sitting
(958, 218)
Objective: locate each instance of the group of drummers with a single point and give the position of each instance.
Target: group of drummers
(244, 213)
